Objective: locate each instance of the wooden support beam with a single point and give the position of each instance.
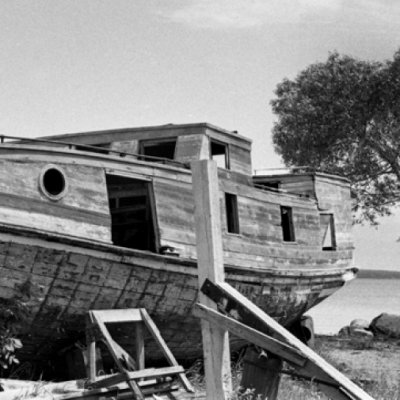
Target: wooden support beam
(91, 349)
(287, 353)
(210, 265)
(151, 326)
(233, 303)
(123, 315)
(139, 345)
(124, 356)
(135, 375)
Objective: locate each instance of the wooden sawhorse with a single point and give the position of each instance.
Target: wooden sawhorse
(130, 370)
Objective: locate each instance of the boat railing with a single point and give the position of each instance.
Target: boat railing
(284, 170)
(94, 149)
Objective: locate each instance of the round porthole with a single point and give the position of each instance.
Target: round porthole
(52, 182)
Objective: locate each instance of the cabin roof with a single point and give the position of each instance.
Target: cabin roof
(168, 130)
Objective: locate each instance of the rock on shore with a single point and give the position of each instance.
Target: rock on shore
(384, 325)
(387, 325)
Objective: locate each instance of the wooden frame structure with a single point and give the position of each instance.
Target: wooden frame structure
(131, 370)
(223, 309)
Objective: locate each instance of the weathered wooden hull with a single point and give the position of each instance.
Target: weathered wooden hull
(60, 279)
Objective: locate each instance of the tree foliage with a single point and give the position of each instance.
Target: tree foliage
(342, 116)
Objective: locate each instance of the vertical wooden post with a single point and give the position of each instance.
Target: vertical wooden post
(139, 345)
(91, 349)
(211, 266)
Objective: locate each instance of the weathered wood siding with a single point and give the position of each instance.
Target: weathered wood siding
(131, 146)
(192, 147)
(83, 211)
(60, 282)
(240, 159)
(175, 213)
(333, 196)
(301, 184)
(260, 241)
(239, 151)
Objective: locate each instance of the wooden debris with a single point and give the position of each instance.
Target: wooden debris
(130, 370)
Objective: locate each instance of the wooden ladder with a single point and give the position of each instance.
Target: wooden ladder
(132, 371)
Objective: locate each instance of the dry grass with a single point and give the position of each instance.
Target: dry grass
(377, 382)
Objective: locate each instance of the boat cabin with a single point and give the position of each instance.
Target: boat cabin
(180, 143)
(131, 188)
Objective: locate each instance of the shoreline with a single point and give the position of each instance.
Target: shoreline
(377, 274)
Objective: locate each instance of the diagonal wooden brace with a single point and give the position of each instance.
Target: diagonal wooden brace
(233, 304)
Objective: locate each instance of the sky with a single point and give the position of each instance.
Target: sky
(79, 65)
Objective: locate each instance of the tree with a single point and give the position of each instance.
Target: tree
(342, 116)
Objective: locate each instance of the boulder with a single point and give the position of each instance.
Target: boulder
(359, 324)
(344, 332)
(361, 333)
(387, 325)
(358, 328)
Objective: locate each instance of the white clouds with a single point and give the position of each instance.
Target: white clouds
(380, 10)
(244, 14)
(250, 13)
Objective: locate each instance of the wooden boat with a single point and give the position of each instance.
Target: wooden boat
(102, 220)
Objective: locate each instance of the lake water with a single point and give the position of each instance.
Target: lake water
(361, 298)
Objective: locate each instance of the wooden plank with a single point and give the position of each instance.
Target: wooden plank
(191, 147)
(240, 159)
(37, 205)
(47, 223)
(235, 304)
(139, 345)
(91, 349)
(109, 381)
(163, 391)
(149, 373)
(156, 372)
(261, 374)
(251, 335)
(114, 316)
(210, 265)
(151, 326)
(124, 355)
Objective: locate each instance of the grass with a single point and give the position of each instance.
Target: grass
(376, 384)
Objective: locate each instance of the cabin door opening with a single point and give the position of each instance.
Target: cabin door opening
(132, 209)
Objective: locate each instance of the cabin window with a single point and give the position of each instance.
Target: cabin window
(52, 182)
(162, 149)
(219, 153)
(232, 214)
(133, 219)
(287, 224)
(327, 230)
